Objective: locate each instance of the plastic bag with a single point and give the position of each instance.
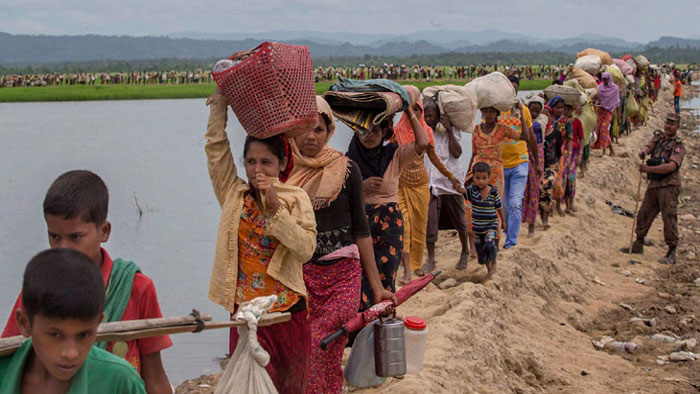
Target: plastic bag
(588, 120)
(457, 102)
(245, 372)
(632, 106)
(494, 90)
(665, 84)
(360, 368)
(589, 63)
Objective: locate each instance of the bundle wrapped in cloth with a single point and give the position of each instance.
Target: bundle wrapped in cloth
(591, 93)
(459, 103)
(642, 61)
(589, 63)
(605, 57)
(585, 79)
(494, 90)
(571, 96)
(617, 76)
(270, 89)
(361, 105)
(588, 115)
(624, 66)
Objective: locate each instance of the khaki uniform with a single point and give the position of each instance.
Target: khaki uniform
(662, 194)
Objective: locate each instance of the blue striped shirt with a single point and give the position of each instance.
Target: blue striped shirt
(484, 214)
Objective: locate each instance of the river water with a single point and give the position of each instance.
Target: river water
(148, 151)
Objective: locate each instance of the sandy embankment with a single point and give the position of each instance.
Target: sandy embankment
(530, 329)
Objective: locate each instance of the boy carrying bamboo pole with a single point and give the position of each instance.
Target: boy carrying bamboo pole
(75, 211)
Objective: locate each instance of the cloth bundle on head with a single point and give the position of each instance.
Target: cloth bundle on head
(361, 105)
(322, 177)
(608, 93)
(403, 131)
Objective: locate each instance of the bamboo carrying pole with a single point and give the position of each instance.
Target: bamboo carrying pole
(136, 329)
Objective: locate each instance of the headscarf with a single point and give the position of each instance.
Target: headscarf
(554, 101)
(284, 175)
(403, 131)
(372, 162)
(322, 176)
(536, 99)
(539, 124)
(608, 93)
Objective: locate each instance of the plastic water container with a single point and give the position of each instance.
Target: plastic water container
(360, 369)
(416, 336)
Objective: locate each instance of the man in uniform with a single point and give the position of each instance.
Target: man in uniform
(666, 153)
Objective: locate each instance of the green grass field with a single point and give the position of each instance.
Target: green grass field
(149, 92)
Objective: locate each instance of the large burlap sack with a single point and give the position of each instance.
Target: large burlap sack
(605, 57)
(571, 95)
(624, 67)
(617, 75)
(642, 61)
(494, 90)
(591, 93)
(589, 63)
(585, 79)
(459, 103)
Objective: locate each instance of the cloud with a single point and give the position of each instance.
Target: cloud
(640, 20)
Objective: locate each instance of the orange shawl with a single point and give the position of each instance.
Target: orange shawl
(403, 131)
(322, 176)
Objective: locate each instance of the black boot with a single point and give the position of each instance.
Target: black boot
(637, 247)
(670, 257)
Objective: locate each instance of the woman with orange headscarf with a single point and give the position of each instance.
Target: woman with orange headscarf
(344, 248)
(414, 188)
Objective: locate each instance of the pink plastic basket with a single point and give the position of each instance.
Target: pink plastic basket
(272, 90)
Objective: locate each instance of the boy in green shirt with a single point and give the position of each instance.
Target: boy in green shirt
(63, 298)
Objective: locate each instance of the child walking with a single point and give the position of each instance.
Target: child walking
(486, 210)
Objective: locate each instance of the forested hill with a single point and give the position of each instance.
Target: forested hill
(21, 50)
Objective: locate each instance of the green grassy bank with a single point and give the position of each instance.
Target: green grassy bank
(148, 92)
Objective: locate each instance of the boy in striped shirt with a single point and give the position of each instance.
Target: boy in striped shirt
(486, 214)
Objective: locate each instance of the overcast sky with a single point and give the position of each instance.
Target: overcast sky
(637, 20)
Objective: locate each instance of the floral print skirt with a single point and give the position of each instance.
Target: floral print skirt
(386, 226)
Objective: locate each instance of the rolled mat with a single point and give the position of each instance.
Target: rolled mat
(361, 111)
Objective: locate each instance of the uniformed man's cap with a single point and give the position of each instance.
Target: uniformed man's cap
(673, 117)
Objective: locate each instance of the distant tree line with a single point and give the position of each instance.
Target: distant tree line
(656, 55)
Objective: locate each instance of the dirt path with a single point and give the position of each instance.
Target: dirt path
(530, 329)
